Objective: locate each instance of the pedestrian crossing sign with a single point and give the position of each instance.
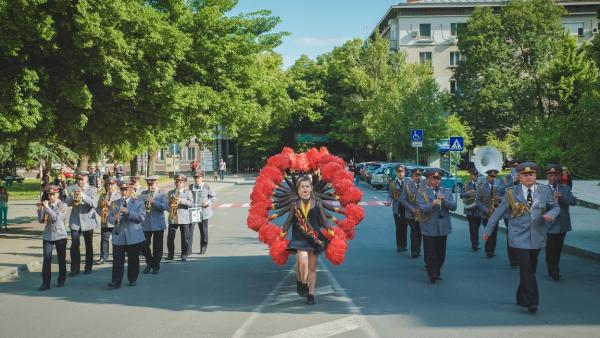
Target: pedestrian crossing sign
(457, 143)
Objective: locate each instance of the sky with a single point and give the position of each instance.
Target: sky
(316, 26)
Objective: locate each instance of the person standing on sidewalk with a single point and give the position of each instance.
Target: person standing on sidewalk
(222, 168)
(110, 194)
(3, 208)
(408, 198)
(83, 220)
(180, 200)
(203, 198)
(562, 224)
(127, 214)
(488, 198)
(52, 213)
(394, 191)
(434, 205)
(469, 197)
(154, 225)
(532, 207)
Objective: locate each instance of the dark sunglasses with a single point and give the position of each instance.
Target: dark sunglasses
(437, 178)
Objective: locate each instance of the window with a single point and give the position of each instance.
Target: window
(191, 153)
(456, 27)
(454, 58)
(425, 30)
(573, 28)
(455, 88)
(161, 154)
(425, 57)
(175, 149)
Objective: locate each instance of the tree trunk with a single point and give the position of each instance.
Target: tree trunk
(133, 167)
(82, 164)
(152, 156)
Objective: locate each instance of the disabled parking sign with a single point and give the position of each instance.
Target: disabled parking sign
(416, 137)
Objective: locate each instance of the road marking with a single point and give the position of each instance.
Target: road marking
(226, 205)
(245, 205)
(293, 296)
(241, 331)
(364, 324)
(327, 329)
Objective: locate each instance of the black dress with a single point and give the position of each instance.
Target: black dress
(303, 241)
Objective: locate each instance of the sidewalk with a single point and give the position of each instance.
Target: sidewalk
(586, 192)
(21, 245)
(583, 241)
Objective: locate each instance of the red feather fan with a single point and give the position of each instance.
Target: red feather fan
(323, 151)
(332, 159)
(273, 173)
(281, 161)
(343, 174)
(255, 221)
(329, 170)
(261, 208)
(352, 195)
(342, 186)
(336, 250)
(348, 225)
(355, 212)
(314, 157)
(268, 233)
(265, 186)
(278, 251)
(301, 163)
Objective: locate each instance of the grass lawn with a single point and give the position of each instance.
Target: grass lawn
(464, 175)
(28, 190)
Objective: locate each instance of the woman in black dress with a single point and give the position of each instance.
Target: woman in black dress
(308, 240)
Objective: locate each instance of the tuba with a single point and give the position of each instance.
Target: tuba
(488, 158)
(173, 206)
(470, 201)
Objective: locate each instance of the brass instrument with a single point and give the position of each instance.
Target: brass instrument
(412, 197)
(173, 201)
(493, 202)
(148, 201)
(77, 197)
(394, 191)
(105, 205)
(470, 201)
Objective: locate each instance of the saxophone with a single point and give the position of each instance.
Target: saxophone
(148, 201)
(105, 205)
(493, 202)
(412, 197)
(173, 204)
(395, 192)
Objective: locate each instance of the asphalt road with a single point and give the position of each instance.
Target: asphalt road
(236, 291)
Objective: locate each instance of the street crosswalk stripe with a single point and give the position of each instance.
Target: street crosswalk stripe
(293, 296)
(323, 330)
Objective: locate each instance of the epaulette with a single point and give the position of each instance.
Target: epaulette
(511, 187)
(421, 190)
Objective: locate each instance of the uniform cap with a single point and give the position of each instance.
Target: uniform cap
(417, 171)
(553, 169)
(198, 174)
(180, 177)
(435, 172)
(527, 168)
(492, 172)
(152, 178)
(473, 171)
(81, 174)
(52, 189)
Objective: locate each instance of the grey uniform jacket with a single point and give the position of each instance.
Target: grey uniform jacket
(527, 231)
(435, 220)
(563, 222)
(129, 229)
(55, 225)
(409, 184)
(115, 195)
(185, 201)
(465, 194)
(396, 202)
(203, 193)
(155, 220)
(484, 194)
(84, 216)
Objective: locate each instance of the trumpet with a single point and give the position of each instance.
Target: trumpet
(77, 198)
(173, 201)
(105, 204)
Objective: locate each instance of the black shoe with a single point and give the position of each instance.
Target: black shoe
(555, 275)
(203, 250)
(87, 272)
(514, 265)
(490, 254)
(132, 283)
(310, 299)
(438, 277)
(60, 285)
(184, 258)
(73, 274)
(44, 287)
(114, 285)
(155, 271)
(100, 261)
(147, 269)
(299, 288)
(400, 249)
(414, 255)
(475, 248)
(532, 309)
(432, 279)
(169, 258)
(304, 290)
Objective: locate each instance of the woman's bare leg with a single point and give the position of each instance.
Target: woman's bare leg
(312, 272)
(302, 258)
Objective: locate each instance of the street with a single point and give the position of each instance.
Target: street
(237, 291)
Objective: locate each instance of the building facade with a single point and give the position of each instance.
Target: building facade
(427, 30)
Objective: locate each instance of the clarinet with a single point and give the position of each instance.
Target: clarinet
(124, 205)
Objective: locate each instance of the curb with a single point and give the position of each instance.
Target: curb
(570, 249)
(9, 272)
(586, 204)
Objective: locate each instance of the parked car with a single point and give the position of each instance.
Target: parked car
(448, 180)
(369, 170)
(384, 175)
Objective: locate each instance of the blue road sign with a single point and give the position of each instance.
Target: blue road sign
(443, 145)
(416, 137)
(457, 143)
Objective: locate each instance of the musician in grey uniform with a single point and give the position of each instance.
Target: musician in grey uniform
(52, 213)
(532, 208)
(469, 197)
(434, 205)
(136, 186)
(83, 220)
(489, 195)
(408, 199)
(180, 200)
(127, 214)
(562, 224)
(394, 191)
(203, 198)
(110, 194)
(510, 180)
(155, 202)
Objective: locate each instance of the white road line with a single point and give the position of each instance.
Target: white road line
(226, 205)
(293, 296)
(364, 324)
(245, 205)
(241, 331)
(362, 203)
(327, 329)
